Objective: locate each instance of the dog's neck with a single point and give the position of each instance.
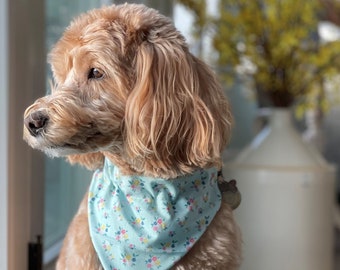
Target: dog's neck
(144, 167)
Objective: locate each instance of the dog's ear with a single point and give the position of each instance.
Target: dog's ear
(177, 117)
(91, 161)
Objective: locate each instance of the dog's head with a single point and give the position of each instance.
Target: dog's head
(127, 87)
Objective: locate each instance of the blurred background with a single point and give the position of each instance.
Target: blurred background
(268, 54)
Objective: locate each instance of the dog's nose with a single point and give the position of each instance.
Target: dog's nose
(36, 122)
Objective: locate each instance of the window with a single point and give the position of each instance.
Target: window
(65, 185)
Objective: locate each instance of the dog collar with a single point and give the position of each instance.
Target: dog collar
(141, 222)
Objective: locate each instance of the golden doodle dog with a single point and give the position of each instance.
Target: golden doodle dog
(131, 102)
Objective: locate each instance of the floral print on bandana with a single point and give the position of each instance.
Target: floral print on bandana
(149, 223)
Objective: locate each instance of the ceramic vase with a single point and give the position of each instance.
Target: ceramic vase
(286, 213)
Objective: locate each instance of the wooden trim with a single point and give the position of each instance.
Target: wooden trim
(25, 166)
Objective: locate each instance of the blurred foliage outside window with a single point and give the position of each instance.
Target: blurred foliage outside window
(274, 46)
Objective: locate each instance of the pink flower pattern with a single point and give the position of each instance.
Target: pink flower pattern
(149, 223)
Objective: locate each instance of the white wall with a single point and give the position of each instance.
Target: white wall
(3, 134)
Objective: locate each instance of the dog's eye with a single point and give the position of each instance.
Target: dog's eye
(95, 73)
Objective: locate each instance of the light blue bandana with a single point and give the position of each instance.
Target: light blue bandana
(141, 222)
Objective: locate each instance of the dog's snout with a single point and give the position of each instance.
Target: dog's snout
(36, 122)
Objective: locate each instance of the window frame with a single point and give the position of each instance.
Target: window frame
(23, 79)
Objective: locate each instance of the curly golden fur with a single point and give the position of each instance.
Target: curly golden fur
(128, 89)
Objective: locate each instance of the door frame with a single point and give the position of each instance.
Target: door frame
(22, 171)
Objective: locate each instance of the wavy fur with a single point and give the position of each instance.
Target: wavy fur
(177, 118)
